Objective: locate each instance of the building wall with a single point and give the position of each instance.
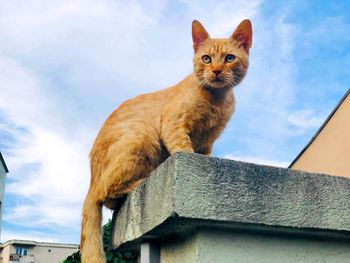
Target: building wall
(23, 259)
(2, 190)
(48, 254)
(5, 254)
(37, 252)
(330, 151)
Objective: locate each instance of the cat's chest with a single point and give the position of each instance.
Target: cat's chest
(210, 112)
(205, 130)
(210, 118)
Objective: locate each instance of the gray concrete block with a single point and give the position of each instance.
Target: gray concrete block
(221, 246)
(192, 191)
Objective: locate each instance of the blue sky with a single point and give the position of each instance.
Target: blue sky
(65, 65)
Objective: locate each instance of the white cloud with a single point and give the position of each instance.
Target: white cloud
(48, 133)
(30, 235)
(258, 160)
(33, 25)
(329, 30)
(53, 190)
(221, 19)
(63, 67)
(305, 119)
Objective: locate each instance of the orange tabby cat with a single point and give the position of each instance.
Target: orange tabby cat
(145, 130)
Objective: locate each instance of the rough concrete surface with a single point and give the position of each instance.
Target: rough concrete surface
(218, 246)
(192, 190)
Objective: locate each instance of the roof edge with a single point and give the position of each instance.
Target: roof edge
(38, 243)
(321, 128)
(3, 163)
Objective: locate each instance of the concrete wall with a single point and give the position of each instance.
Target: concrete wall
(181, 250)
(330, 150)
(222, 246)
(202, 209)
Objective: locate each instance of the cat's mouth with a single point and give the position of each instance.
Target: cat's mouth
(217, 82)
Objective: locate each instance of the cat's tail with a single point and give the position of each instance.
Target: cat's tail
(91, 246)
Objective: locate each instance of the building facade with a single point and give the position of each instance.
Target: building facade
(329, 150)
(3, 172)
(24, 251)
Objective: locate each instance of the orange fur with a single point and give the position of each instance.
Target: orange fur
(145, 130)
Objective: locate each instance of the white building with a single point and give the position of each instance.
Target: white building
(25, 251)
(3, 172)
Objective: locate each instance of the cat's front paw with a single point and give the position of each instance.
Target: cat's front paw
(188, 150)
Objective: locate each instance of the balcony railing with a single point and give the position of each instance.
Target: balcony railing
(15, 258)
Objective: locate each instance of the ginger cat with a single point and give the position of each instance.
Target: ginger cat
(145, 130)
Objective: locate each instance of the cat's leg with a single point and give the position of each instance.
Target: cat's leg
(207, 148)
(175, 135)
(114, 203)
(125, 176)
(125, 171)
(132, 158)
(207, 151)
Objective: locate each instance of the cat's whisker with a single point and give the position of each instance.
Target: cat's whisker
(203, 84)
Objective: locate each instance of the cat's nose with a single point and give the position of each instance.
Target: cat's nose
(217, 72)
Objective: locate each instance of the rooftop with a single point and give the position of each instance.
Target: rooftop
(321, 128)
(36, 243)
(3, 163)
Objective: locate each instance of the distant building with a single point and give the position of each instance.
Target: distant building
(3, 172)
(329, 149)
(24, 251)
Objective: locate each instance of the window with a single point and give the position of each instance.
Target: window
(21, 251)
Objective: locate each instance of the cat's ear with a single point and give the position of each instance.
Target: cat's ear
(243, 34)
(199, 34)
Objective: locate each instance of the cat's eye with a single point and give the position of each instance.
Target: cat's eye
(206, 59)
(229, 58)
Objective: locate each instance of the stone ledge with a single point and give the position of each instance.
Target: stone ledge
(189, 191)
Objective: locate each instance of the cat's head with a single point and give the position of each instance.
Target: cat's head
(221, 63)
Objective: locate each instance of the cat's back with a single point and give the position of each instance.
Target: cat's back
(140, 114)
(148, 106)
